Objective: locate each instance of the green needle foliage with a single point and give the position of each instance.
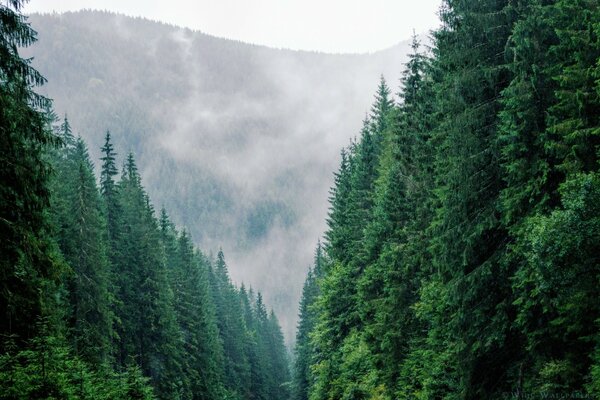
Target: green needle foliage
(99, 298)
(461, 254)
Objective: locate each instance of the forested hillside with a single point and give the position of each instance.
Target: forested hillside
(461, 256)
(216, 126)
(101, 296)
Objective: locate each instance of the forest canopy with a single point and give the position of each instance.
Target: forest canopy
(461, 256)
(101, 297)
(460, 260)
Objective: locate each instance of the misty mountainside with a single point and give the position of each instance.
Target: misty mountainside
(239, 141)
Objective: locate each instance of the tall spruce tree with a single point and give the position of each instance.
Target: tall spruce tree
(232, 329)
(148, 334)
(77, 210)
(302, 376)
(28, 268)
(202, 363)
(108, 188)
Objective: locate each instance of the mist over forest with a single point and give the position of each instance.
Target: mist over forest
(238, 142)
(439, 200)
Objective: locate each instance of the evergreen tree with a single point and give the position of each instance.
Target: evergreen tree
(232, 330)
(254, 350)
(278, 360)
(393, 242)
(28, 268)
(551, 289)
(202, 366)
(108, 188)
(148, 334)
(472, 335)
(303, 351)
(82, 242)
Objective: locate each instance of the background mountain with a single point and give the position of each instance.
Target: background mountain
(241, 140)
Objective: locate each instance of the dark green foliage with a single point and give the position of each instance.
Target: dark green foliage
(49, 370)
(188, 276)
(307, 317)
(99, 299)
(277, 359)
(231, 325)
(109, 189)
(27, 262)
(147, 328)
(462, 247)
(76, 207)
(557, 289)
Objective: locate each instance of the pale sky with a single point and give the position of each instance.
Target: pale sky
(335, 26)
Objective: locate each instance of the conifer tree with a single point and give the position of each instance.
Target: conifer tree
(147, 331)
(302, 377)
(108, 188)
(28, 268)
(202, 366)
(77, 208)
(232, 330)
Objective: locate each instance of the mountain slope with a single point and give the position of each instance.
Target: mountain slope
(217, 126)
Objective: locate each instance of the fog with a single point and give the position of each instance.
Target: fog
(238, 142)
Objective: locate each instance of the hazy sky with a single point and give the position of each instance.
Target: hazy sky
(323, 25)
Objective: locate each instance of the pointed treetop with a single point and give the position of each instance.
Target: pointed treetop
(413, 77)
(221, 266)
(81, 146)
(130, 170)
(382, 105)
(108, 149)
(416, 43)
(184, 235)
(318, 263)
(164, 221)
(130, 165)
(261, 310)
(109, 168)
(66, 134)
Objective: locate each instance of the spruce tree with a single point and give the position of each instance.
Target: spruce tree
(148, 334)
(202, 366)
(77, 208)
(302, 376)
(28, 268)
(232, 330)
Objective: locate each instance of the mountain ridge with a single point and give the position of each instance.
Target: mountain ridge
(199, 31)
(216, 126)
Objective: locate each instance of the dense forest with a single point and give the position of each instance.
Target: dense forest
(215, 126)
(460, 261)
(461, 256)
(101, 297)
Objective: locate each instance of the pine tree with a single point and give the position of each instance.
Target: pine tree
(232, 330)
(254, 352)
(28, 268)
(389, 286)
(302, 377)
(148, 334)
(552, 281)
(337, 236)
(474, 324)
(109, 188)
(202, 365)
(278, 360)
(82, 242)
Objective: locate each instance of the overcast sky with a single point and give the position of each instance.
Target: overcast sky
(338, 26)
